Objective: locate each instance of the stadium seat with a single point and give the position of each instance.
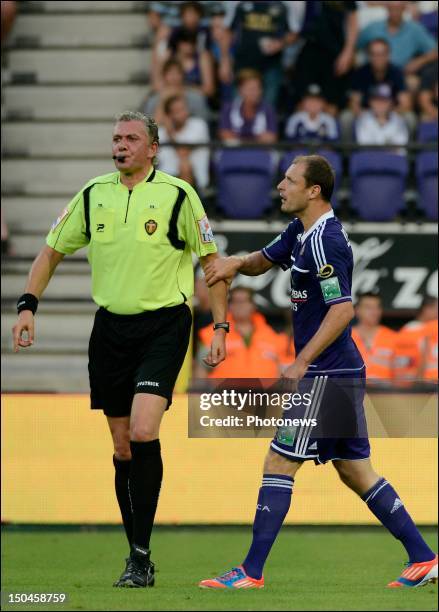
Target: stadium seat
(245, 179)
(333, 158)
(427, 131)
(426, 174)
(377, 184)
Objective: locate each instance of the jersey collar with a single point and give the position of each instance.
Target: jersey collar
(149, 178)
(328, 215)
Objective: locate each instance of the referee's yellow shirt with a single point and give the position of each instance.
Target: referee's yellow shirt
(140, 242)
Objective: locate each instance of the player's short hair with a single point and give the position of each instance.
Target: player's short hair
(374, 293)
(149, 123)
(247, 74)
(170, 101)
(318, 171)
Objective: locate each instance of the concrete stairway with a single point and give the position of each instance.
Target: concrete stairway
(70, 67)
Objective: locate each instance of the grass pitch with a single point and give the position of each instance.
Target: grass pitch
(308, 569)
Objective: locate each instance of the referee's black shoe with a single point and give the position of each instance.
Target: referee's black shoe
(139, 570)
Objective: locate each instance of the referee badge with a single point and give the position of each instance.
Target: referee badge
(150, 227)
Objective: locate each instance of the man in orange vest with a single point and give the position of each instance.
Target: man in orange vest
(375, 342)
(253, 347)
(416, 345)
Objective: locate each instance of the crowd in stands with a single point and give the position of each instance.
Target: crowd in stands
(321, 72)
(255, 350)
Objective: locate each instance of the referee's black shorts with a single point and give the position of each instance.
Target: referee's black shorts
(141, 353)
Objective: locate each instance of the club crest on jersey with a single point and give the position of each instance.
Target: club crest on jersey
(150, 226)
(326, 271)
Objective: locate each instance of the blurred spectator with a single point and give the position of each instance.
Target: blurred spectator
(158, 18)
(376, 71)
(221, 50)
(369, 12)
(427, 96)
(189, 164)
(375, 342)
(261, 31)
(191, 15)
(311, 122)
(253, 347)
(248, 118)
(412, 47)
(172, 84)
(412, 344)
(8, 14)
(380, 125)
(429, 359)
(197, 65)
(330, 32)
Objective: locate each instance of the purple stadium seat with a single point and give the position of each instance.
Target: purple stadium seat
(427, 131)
(333, 158)
(245, 178)
(426, 174)
(429, 21)
(377, 184)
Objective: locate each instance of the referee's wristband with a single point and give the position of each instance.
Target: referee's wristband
(27, 302)
(225, 325)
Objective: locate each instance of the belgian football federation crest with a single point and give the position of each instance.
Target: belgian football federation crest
(150, 226)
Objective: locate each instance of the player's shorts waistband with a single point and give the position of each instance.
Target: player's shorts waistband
(147, 314)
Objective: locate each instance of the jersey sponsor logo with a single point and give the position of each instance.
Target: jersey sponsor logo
(151, 226)
(330, 288)
(326, 271)
(100, 227)
(62, 216)
(299, 295)
(205, 230)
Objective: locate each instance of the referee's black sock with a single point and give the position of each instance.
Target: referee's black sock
(122, 473)
(145, 480)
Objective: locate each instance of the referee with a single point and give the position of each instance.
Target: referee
(141, 227)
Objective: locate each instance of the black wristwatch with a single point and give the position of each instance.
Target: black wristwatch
(225, 325)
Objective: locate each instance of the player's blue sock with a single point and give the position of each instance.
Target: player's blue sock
(386, 505)
(273, 504)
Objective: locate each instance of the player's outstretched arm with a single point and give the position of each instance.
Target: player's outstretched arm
(40, 274)
(225, 268)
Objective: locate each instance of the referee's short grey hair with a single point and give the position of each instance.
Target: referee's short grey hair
(150, 124)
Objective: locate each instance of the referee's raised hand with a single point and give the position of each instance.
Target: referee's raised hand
(24, 326)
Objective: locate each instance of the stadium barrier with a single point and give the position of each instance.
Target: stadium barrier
(57, 468)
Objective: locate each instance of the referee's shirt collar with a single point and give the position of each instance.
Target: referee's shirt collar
(148, 179)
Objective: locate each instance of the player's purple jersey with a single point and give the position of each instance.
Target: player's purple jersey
(320, 262)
